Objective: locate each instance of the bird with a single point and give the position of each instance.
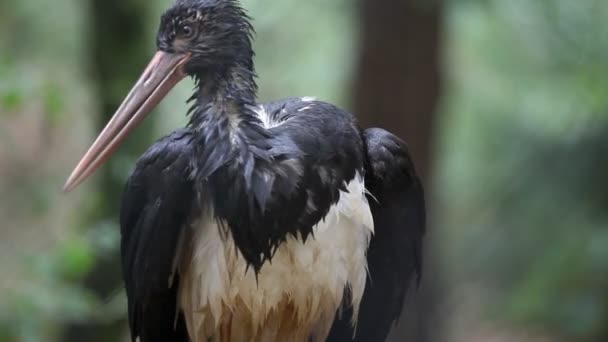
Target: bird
(279, 221)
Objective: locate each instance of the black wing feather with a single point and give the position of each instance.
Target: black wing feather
(156, 206)
(395, 253)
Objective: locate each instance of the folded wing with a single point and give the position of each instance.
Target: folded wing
(156, 207)
(395, 254)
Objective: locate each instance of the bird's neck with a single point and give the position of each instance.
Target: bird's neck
(225, 120)
(229, 91)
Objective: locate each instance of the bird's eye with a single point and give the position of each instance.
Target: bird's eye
(186, 31)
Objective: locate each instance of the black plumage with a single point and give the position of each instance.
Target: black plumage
(265, 172)
(395, 253)
(158, 202)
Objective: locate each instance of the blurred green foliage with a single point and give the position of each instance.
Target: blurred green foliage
(35, 310)
(523, 161)
(520, 187)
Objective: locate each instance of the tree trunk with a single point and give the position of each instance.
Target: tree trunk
(398, 86)
(119, 48)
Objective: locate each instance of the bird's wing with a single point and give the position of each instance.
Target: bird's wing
(157, 202)
(394, 257)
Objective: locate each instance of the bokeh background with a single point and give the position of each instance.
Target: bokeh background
(504, 104)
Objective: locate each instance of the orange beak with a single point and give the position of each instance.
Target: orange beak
(162, 74)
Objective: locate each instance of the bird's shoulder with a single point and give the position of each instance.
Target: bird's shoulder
(320, 139)
(166, 154)
(296, 111)
(320, 130)
(389, 159)
(163, 171)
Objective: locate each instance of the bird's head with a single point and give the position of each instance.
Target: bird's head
(208, 33)
(197, 38)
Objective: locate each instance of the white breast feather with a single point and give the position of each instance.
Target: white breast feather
(296, 296)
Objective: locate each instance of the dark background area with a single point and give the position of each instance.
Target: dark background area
(504, 104)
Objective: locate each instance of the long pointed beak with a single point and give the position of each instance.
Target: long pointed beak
(162, 74)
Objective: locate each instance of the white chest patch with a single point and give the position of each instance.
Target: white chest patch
(295, 297)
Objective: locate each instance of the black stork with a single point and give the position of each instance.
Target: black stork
(281, 221)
